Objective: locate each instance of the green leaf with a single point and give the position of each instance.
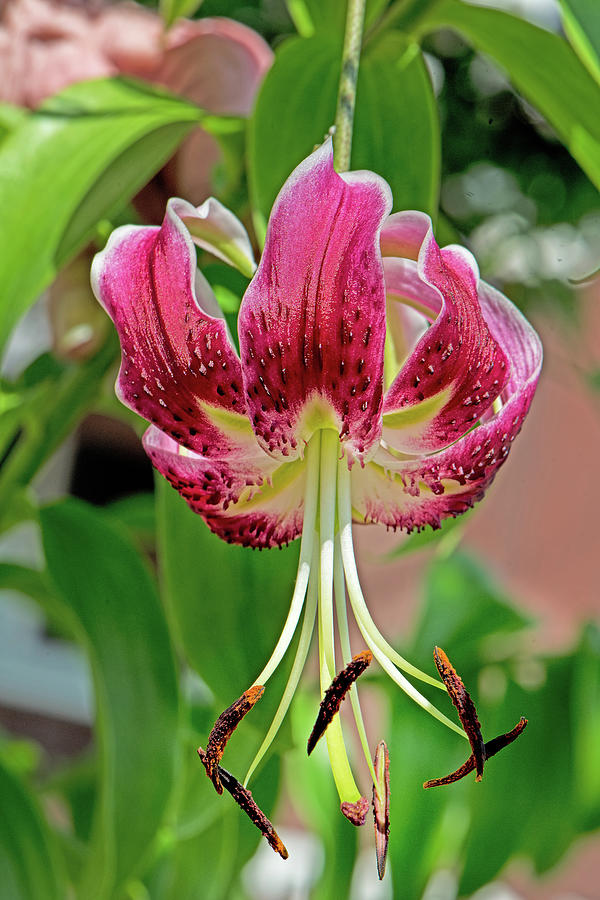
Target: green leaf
(396, 131)
(464, 606)
(110, 602)
(228, 603)
(541, 66)
(585, 723)
(10, 117)
(171, 10)
(210, 838)
(48, 413)
(582, 27)
(76, 160)
(294, 111)
(448, 535)
(29, 864)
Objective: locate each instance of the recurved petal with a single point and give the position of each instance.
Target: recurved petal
(248, 498)
(458, 368)
(403, 234)
(312, 322)
(179, 368)
(409, 492)
(215, 228)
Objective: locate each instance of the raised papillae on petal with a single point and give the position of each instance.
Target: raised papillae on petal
(458, 368)
(312, 322)
(179, 368)
(246, 498)
(408, 493)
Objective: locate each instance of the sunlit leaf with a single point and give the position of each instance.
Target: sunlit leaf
(171, 10)
(396, 129)
(541, 65)
(582, 27)
(110, 602)
(77, 159)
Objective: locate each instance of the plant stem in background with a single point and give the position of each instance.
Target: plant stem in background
(344, 117)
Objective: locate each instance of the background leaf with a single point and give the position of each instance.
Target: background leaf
(171, 10)
(77, 159)
(582, 27)
(29, 863)
(396, 130)
(111, 605)
(541, 66)
(228, 603)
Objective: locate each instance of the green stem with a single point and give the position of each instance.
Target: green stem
(74, 393)
(344, 117)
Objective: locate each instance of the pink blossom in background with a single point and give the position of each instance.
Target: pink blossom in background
(217, 63)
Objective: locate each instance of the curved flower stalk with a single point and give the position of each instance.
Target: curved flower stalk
(322, 420)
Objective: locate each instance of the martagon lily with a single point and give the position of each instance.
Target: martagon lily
(324, 418)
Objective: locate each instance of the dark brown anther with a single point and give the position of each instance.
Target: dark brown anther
(244, 799)
(356, 813)
(224, 728)
(335, 693)
(464, 706)
(490, 749)
(381, 805)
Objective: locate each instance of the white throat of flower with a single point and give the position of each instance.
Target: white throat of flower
(327, 572)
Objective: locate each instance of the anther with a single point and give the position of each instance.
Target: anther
(334, 695)
(224, 728)
(244, 799)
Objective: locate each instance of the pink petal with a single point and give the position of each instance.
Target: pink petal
(410, 493)
(218, 63)
(403, 234)
(179, 368)
(247, 499)
(214, 228)
(312, 322)
(457, 369)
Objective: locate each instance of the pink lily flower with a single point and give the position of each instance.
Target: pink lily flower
(323, 419)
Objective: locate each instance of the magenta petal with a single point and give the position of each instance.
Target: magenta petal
(179, 368)
(248, 499)
(312, 322)
(403, 234)
(457, 369)
(411, 493)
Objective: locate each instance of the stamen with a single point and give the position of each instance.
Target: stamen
(464, 706)
(335, 693)
(381, 806)
(246, 802)
(336, 748)
(366, 626)
(359, 607)
(490, 749)
(292, 683)
(223, 728)
(339, 589)
(311, 493)
(356, 813)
